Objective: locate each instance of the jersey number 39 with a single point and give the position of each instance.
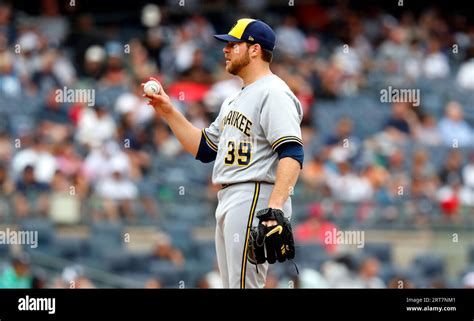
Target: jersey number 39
(241, 152)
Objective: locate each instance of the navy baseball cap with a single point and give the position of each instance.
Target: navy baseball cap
(250, 30)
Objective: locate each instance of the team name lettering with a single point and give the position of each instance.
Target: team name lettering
(239, 121)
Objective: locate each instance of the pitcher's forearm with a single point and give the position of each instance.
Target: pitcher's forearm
(287, 174)
(188, 135)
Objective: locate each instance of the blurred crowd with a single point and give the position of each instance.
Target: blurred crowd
(56, 155)
(104, 148)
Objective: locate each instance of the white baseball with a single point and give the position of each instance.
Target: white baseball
(151, 87)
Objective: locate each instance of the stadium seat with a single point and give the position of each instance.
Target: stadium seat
(470, 254)
(71, 248)
(44, 228)
(4, 251)
(117, 260)
(430, 265)
(169, 274)
(310, 255)
(382, 251)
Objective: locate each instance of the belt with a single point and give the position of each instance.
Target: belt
(246, 182)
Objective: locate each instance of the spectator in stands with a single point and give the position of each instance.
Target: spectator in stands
(164, 250)
(28, 62)
(154, 44)
(427, 132)
(6, 147)
(348, 186)
(94, 65)
(449, 197)
(392, 56)
(153, 283)
(340, 272)
(315, 227)
(68, 160)
(30, 195)
(6, 26)
(45, 78)
(368, 273)
(402, 118)
(118, 194)
(53, 118)
(40, 156)
(197, 71)
(310, 279)
(141, 64)
(314, 173)
(132, 106)
(95, 126)
(348, 272)
(101, 160)
(10, 83)
(382, 49)
(454, 130)
(435, 63)
(400, 282)
(379, 177)
(421, 165)
(210, 280)
(289, 34)
(73, 277)
(167, 145)
(413, 65)
(465, 75)
(451, 170)
(343, 145)
(468, 172)
(468, 280)
(39, 279)
(115, 74)
(7, 186)
(18, 274)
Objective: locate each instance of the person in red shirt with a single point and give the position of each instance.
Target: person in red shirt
(314, 228)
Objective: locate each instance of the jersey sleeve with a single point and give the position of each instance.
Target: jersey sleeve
(212, 133)
(281, 117)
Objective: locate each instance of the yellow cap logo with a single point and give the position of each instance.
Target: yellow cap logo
(239, 28)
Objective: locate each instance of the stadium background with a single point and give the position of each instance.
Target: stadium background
(115, 201)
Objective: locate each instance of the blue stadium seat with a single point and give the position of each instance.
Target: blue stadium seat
(413, 274)
(206, 251)
(104, 237)
(180, 233)
(430, 265)
(169, 274)
(4, 251)
(71, 248)
(109, 233)
(117, 260)
(382, 251)
(387, 272)
(44, 228)
(310, 255)
(140, 262)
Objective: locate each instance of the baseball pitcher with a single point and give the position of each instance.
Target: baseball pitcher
(257, 150)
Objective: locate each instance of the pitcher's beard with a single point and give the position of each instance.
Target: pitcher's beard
(235, 67)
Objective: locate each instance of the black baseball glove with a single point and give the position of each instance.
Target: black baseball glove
(271, 243)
